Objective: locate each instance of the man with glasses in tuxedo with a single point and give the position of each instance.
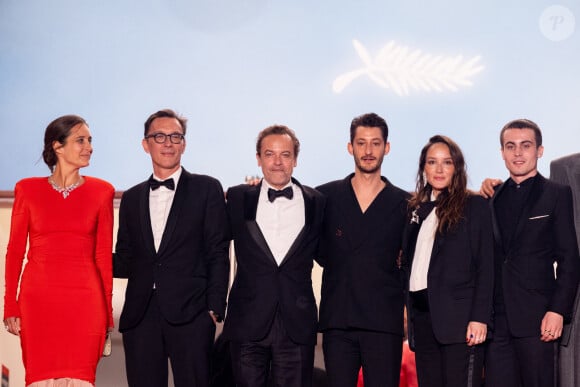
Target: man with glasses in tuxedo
(172, 245)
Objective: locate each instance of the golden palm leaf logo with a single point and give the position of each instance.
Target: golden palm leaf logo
(402, 69)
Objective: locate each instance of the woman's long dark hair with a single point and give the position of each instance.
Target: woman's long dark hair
(451, 201)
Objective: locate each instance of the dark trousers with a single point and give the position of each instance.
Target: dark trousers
(444, 365)
(154, 340)
(379, 354)
(519, 362)
(289, 364)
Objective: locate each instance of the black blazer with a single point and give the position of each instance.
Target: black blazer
(362, 284)
(261, 286)
(460, 275)
(190, 270)
(544, 234)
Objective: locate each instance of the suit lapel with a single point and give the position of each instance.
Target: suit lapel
(535, 193)
(145, 216)
(495, 224)
(251, 197)
(350, 209)
(309, 208)
(178, 202)
(409, 243)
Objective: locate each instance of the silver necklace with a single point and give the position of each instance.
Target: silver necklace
(65, 191)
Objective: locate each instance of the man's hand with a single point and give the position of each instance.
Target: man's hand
(551, 328)
(215, 317)
(253, 180)
(487, 185)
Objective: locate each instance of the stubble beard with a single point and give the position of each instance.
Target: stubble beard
(369, 170)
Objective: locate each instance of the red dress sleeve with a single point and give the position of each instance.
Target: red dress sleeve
(16, 250)
(104, 249)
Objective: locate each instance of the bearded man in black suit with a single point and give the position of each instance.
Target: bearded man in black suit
(361, 307)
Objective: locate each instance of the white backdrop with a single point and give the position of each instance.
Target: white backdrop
(233, 67)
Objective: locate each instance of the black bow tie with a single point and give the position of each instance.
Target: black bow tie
(154, 184)
(286, 192)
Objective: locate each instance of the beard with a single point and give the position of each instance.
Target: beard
(369, 169)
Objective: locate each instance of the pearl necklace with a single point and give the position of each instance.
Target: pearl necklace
(65, 191)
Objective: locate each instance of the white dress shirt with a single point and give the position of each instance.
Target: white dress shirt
(160, 202)
(423, 250)
(281, 220)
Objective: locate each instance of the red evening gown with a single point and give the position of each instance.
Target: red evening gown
(66, 287)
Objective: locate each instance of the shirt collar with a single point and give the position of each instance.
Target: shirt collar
(525, 183)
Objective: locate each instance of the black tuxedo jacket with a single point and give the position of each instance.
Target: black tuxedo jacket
(460, 275)
(190, 270)
(362, 284)
(544, 235)
(261, 287)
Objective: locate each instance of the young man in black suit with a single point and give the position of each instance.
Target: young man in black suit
(533, 221)
(272, 315)
(361, 310)
(172, 245)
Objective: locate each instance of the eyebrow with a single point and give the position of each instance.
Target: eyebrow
(370, 139)
(521, 142)
(273, 151)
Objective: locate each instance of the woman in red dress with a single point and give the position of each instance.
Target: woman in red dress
(63, 309)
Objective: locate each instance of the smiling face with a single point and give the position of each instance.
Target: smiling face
(277, 159)
(521, 153)
(439, 167)
(76, 150)
(368, 149)
(166, 157)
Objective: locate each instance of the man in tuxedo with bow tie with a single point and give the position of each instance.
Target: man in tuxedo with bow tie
(172, 245)
(272, 315)
(536, 265)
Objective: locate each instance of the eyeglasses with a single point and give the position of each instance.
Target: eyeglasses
(160, 138)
